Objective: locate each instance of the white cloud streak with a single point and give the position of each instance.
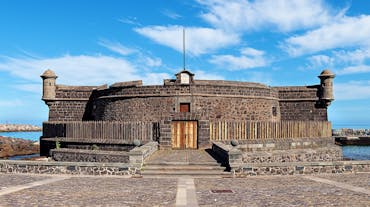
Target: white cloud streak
(343, 61)
(199, 40)
(117, 47)
(79, 70)
(349, 31)
(354, 69)
(250, 58)
(354, 90)
(171, 14)
(206, 75)
(284, 15)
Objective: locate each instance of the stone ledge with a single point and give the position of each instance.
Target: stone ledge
(306, 168)
(332, 153)
(231, 156)
(271, 144)
(80, 155)
(69, 168)
(139, 154)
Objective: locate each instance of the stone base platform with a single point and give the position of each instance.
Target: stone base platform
(332, 153)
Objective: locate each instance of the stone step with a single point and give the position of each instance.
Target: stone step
(191, 176)
(181, 163)
(183, 172)
(183, 167)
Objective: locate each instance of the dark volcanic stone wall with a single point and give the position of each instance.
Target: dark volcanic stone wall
(300, 103)
(67, 110)
(71, 103)
(211, 100)
(235, 108)
(134, 109)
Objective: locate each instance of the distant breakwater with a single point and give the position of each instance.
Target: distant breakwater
(19, 128)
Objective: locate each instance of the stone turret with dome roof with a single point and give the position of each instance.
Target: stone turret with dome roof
(326, 83)
(49, 87)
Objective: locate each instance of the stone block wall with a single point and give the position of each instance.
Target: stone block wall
(213, 100)
(134, 109)
(210, 99)
(68, 110)
(303, 168)
(73, 155)
(69, 168)
(139, 154)
(71, 103)
(333, 153)
(301, 103)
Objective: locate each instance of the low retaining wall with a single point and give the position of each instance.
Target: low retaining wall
(230, 156)
(78, 155)
(333, 153)
(69, 168)
(138, 154)
(282, 144)
(306, 168)
(135, 156)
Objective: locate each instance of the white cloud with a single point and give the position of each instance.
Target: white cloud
(343, 61)
(140, 58)
(258, 77)
(354, 90)
(199, 40)
(354, 69)
(318, 61)
(250, 58)
(357, 56)
(285, 15)
(206, 75)
(79, 70)
(117, 47)
(348, 32)
(171, 14)
(152, 62)
(130, 20)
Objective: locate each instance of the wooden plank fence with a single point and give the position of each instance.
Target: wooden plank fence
(245, 130)
(104, 130)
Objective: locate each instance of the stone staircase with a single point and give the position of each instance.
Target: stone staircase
(173, 163)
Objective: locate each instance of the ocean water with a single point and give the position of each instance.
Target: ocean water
(34, 136)
(349, 152)
(356, 152)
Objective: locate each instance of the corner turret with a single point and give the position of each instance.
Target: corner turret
(49, 87)
(326, 87)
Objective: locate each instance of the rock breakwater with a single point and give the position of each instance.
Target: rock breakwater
(18, 128)
(14, 146)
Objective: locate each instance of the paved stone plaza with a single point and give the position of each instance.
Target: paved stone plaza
(321, 190)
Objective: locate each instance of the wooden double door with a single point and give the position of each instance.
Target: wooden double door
(184, 134)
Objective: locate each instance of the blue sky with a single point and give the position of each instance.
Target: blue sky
(275, 42)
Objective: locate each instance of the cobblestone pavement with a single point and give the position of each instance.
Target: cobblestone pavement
(119, 191)
(96, 191)
(7, 181)
(277, 191)
(360, 180)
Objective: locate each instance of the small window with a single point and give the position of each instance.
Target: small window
(274, 111)
(184, 107)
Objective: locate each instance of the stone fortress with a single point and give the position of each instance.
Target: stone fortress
(268, 123)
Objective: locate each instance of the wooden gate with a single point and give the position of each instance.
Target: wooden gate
(184, 134)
